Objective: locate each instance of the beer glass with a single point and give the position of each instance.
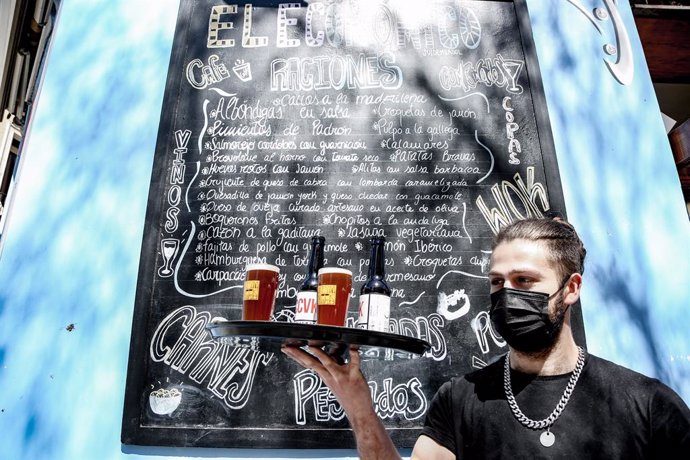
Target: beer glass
(333, 296)
(260, 290)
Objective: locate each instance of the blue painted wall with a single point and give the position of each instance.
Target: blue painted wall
(71, 246)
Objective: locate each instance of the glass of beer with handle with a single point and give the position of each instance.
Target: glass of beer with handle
(260, 290)
(334, 289)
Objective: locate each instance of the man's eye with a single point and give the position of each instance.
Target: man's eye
(524, 280)
(496, 282)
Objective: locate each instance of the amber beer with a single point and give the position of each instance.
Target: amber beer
(334, 289)
(260, 290)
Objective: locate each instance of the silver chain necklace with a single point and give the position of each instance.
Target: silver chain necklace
(546, 438)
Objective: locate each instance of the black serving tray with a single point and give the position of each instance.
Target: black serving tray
(336, 341)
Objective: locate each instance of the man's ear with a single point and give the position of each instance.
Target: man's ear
(572, 289)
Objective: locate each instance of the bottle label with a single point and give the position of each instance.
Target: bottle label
(305, 310)
(327, 294)
(251, 289)
(374, 312)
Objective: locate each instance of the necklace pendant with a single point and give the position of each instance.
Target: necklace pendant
(547, 438)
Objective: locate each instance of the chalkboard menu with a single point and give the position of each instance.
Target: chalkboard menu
(421, 121)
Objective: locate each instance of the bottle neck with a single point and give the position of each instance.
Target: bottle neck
(377, 261)
(315, 259)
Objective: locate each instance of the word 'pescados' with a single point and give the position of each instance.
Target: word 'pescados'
(406, 399)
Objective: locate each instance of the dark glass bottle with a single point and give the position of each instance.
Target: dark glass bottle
(375, 295)
(305, 309)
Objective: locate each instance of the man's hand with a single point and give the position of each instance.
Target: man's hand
(352, 391)
(345, 381)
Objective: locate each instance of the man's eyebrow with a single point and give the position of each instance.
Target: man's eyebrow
(514, 271)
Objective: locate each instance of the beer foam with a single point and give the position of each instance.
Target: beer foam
(327, 270)
(272, 268)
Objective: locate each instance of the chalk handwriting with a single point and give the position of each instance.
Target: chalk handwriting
(182, 342)
(478, 363)
(336, 72)
(498, 72)
(428, 328)
(507, 211)
(326, 24)
(216, 26)
(481, 325)
(201, 75)
(310, 390)
(313, 397)
(511, 127)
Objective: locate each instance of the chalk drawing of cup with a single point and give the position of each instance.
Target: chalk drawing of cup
(243, 70)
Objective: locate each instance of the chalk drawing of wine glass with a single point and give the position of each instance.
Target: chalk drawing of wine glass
(470, 29)
(513, 67)
(169, 248)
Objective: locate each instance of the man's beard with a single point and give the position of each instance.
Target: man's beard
(557, 318)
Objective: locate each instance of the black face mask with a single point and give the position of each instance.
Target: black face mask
(522, 318)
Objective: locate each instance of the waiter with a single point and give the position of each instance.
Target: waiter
(547, 397)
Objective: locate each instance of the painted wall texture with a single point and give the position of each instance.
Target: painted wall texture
(71, 248)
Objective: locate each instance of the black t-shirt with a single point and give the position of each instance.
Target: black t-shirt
(613, 413)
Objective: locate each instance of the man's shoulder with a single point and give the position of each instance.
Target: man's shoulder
(628, 381)
(633, 390)
(611, 370)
